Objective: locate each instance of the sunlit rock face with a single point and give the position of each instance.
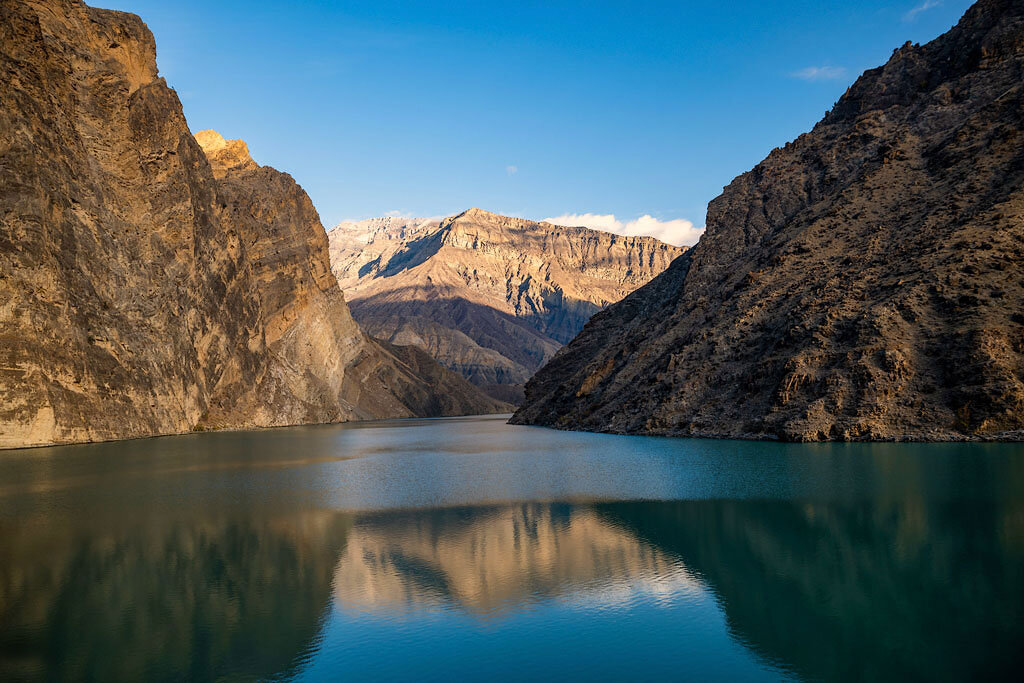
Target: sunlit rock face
(487, 560)
(145, 291)
(863, 282)
(491, 297)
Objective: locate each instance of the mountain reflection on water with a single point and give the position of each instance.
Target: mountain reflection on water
(488, 561)
(918, 575)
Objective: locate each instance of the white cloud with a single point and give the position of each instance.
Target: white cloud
(820, 73)
(923, 7)
(511, 170)
(677, 231)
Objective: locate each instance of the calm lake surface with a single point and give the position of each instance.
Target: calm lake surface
(470, 549)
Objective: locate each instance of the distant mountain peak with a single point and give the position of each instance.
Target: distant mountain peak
(490, 296)
(476, 212)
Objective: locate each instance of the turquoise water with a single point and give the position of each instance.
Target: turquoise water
(466, 548)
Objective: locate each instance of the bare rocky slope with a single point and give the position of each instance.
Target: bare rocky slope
(489, 296)
(139, 294)
(864, 282)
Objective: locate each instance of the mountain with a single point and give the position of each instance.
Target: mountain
(145, 291)
(488, 296)
(326, 355)
(864, 282)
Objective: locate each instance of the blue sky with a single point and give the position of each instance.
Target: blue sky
(536, 109)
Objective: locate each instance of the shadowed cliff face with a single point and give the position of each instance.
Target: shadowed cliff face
(489, 296)
(139, 297)
(861, 283)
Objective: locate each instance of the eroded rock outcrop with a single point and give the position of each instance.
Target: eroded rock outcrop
(140, 295)
(864, 282)
(489, 296)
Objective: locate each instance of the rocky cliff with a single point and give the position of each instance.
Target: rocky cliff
(327, 359)
(140, 294)
(864, 282)
(488, 296)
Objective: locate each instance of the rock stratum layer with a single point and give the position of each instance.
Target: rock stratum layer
(864, 282)
(488, 296)
(141, 294)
